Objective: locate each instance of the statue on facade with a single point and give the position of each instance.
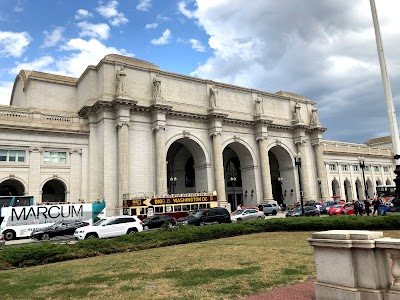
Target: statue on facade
(121, 81)
(259, 106)
(157, 88)
(296, 113)
(314, 117)
(213, 97)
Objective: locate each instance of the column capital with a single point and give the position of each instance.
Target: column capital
(261, 138)
(122, 123)
(215, 133)
(74, 150)
(316, 142)
(300, 140)
(35, 149)
(158, 127)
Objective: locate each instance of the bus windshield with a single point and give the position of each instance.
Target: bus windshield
(385, 191)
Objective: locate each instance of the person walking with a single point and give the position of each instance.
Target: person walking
(357, 208)
(376, 203)
(367, 205)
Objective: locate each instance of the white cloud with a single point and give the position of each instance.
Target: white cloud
(111, 13)
(52, 38)
(13, 43)
(151, 26)
(101, 30)
(144, 5)
(196, 45)
(5, 92)
(164, 39)
(41, 64)
(182, 8)
(82, 14)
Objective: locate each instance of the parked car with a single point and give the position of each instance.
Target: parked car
(324, 208)
(308, 211)
(58, 229)
(311, 203)
(206, 216)
(247, 214)
(341, 209)
(158, 221)
(2, 241)
(269, 208)
(110, 227)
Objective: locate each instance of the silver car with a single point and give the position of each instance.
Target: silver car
(247, 214)
(269, 208)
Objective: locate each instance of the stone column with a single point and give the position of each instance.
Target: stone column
(93, 160)
(265, 169)
(123, 159)
(75, 175)
(305, 180)
(161, 165)
(218, 163)
(34, 173)
(321, 170)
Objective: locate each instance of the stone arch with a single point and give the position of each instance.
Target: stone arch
(359, 189)
(370, 188)
(182, 150)
(378, 182)
(12, 187)
(335, 187)
(54, 190)
(348, 193)
(282, 166)
(389, 182)
(239, 163)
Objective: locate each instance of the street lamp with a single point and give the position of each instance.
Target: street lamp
(172, 181)
(233, 180)
(361, 159)
(297, 162)
(280, 180)
(320, 191)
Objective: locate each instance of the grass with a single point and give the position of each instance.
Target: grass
(227, 268)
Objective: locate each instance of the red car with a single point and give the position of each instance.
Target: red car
(341, 209)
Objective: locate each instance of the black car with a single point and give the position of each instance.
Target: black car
(206, 216)
(308, 211)
(158, 221)
(57, 229)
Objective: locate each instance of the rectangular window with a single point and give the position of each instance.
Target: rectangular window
(366, 168)
(386, 169)
(332, 167)
(355, 168)
(55, 157)
(345, 168)
(376, 168)
(158, 209)
(12, 155)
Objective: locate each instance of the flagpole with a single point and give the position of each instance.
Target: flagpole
(389, 101)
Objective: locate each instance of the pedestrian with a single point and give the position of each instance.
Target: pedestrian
(376, 203)
(318, 206)
(357, 208)
(367, 205)
(239, 207)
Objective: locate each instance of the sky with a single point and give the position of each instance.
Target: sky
(324, 50)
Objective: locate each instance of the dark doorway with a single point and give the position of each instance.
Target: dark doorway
(11, 187)
(53, 191)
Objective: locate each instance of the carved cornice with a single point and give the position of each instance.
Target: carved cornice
(35, 149)
(261, 138)
(107, 105)
(215, 133)
(158, 127)
(262, 120)
(79, 151)
(216, 114)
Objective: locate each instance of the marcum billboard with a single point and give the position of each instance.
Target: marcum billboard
(42, 214)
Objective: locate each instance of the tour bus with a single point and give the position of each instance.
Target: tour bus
(19, 215)
(386, 192)
(177, 205)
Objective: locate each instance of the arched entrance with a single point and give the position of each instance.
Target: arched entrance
(11, 187)
(239, 175)
(347, 190)
(53, 191)
(359, 189)
(388, 182)
(186, 168)
(370, 189)
(335, 188)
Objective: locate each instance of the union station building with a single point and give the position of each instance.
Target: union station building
(127, 129)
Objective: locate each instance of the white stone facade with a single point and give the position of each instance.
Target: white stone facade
(129, 134)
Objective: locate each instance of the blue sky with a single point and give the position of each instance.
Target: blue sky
(324, 50)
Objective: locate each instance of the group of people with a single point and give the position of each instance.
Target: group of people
(365, 206)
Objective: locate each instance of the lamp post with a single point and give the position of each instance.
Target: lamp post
(233, 180)
(320, 191)
(297, 162)
(280, 180)
(361, 159)
(172, 182)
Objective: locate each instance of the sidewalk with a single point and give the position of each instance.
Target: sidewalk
(300, 291)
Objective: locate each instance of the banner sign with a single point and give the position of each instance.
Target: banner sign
(169, 200)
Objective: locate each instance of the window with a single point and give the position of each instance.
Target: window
(366, 168)
(386, 169)
(376, 168)
(158, 209)
(345, 167)
(55, 157)
(332, 167)
(355, 168)
(12, 155)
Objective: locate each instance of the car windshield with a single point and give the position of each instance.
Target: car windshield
(197, 214)
(297, 209)
(238, 212)
(100, 222)
(338, 206)
(56, 225)
(148, 219)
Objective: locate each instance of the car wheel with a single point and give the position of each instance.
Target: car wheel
(9, 235)
(239, 220)
(146, 227)
(132, 231)
(91, 236)
(45, 237)
(274, 212)
(170, 225)
(203, 223)
(259, 217)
